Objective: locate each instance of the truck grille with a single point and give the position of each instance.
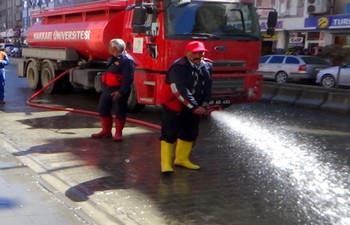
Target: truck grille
(227, 87)
(229, 64)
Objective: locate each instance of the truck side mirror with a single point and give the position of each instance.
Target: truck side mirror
(271, 23)
(272, 19)
(139, 19)
(270, 31)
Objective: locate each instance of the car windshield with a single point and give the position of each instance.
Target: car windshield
(314, 60)
(219, 20)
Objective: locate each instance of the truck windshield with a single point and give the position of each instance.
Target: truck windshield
(209, 20)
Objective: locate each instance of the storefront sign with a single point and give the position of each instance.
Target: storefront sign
(267, 37)
(279, 25)
(296, 40)
(328, 22)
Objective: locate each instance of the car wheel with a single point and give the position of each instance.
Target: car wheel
(281, 77)
(328, 81)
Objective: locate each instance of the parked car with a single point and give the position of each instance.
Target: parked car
(284, 68)
(328, 77)
(7, 46)
(16, 52)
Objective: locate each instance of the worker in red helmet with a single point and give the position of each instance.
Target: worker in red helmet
(185, 98)
(117, 82)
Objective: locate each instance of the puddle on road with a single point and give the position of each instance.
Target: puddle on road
(320, 188)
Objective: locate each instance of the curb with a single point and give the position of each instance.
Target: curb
(335, 100)
(339, 102)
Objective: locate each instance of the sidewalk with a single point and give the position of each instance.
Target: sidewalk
(23, 199)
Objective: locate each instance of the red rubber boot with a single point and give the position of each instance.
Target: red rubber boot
(119, 126)
(106, 132)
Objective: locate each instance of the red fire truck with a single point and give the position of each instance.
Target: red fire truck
(155, 32)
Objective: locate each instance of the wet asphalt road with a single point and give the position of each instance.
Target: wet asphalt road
(262, 163)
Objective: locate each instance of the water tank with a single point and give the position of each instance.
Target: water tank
(86, 28)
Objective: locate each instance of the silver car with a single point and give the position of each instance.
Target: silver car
(328, 77)
(284, 68)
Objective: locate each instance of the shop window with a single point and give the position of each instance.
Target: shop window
(341, 40)
(313, 36)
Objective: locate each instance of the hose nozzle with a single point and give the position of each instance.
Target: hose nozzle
(214, 108)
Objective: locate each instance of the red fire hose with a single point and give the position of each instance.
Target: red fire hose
(135, 121)
(86, 112)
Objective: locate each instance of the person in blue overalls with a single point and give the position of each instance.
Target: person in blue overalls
(117, 80)
(4, 61)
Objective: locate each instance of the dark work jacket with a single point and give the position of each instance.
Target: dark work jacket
(122, 66)
(190, 89)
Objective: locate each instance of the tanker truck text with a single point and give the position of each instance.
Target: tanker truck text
(63, 35)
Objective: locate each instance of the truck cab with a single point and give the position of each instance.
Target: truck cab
(229, 29)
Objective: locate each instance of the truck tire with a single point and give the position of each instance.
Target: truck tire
(47, 75)
(33, 76)
(133, 105)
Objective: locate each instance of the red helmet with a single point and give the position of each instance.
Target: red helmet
(196, 46)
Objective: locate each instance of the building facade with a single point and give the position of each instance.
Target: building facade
(10, 19)
(36, 6)
(301, 25)
(15, 16)
(305, 25)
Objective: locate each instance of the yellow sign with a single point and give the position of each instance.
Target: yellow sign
(269, 37)
(323, 22)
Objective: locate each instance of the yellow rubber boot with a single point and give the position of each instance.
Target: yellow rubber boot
(182, 154)
(166, 151)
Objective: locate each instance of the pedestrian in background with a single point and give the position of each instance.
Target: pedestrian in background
(185, 98)
(4, 61)
(117, 82)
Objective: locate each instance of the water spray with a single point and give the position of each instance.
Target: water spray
(320, 191)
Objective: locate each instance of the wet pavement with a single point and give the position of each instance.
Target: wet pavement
(24, 198)
(247, 175)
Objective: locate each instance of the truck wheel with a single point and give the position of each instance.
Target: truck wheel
(47, 75)
(133, 105)
(33, 76)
